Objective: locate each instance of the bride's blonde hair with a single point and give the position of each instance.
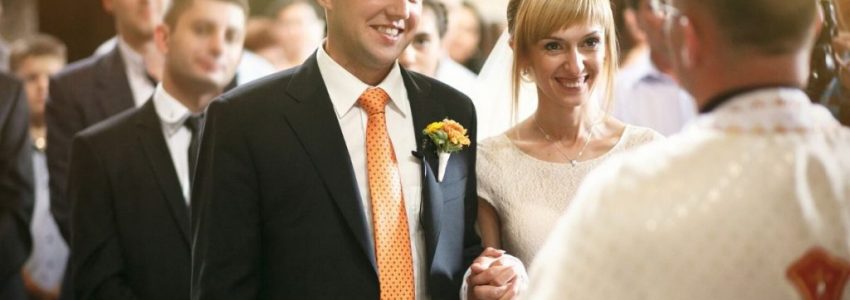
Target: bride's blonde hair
(530, 21)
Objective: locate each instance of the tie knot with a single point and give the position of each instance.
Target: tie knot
(374, 100)
(193, 122)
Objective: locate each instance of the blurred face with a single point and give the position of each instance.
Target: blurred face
(673, 35)
(35, 72)
(425, 51)
(204, 48)
(370, 34)
(137, 17)
(298, 28)
(566, 64)
(652, 24)
(463, 35)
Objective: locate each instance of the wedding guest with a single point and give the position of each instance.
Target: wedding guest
(836, 95)
(251, 65)
(16, 187)
(528, 175)
(426, 55)
(130, 175)
(296, 29)
(33, 60)
(463, 41)
(630, 37)
(751, 201)
(647, 93)
(98, 87)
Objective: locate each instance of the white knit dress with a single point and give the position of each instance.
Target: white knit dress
(529, 194)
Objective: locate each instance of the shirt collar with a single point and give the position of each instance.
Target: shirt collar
(132, 59)
(171, 112)
(717, 101)
(344, 88)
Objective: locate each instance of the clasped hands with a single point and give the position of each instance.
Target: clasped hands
(495, 275)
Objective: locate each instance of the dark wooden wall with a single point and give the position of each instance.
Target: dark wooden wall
(18, 19)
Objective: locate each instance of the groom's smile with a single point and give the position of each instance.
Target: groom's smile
(368, 36)
(390, 32)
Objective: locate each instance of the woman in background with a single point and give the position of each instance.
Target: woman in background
(465, 37)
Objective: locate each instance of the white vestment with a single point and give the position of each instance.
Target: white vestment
(751, 201)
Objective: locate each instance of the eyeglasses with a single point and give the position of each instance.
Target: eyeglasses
(663, 9)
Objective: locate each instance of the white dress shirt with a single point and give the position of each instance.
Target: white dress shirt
(137, 74)
(726, 209)
(171, 115)
(645, 96)
(344, 89)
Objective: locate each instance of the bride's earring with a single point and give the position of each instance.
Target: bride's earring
(526, 75)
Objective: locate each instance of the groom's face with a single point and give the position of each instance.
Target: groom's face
(372, 33)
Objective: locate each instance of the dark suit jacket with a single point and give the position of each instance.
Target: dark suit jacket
(82, 94)
(16, 186)
(130, 222)
(276, 206)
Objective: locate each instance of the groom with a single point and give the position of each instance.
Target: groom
(316, 183)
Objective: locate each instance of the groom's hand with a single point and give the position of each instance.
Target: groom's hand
(495, 275)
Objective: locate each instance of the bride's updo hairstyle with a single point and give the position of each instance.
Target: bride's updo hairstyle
(529, 21)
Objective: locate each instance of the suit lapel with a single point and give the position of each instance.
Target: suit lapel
(156, 151)
(425, 110)
(314, 122)
(112, 88)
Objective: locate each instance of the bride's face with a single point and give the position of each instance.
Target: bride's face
(565, 65)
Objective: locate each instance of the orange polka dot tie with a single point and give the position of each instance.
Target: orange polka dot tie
(389, 219)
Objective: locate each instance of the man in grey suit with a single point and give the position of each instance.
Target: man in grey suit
(98, 87)
(130, 176)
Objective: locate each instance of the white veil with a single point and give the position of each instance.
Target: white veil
(492, 93)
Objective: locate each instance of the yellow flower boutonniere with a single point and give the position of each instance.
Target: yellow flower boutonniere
(447, 135)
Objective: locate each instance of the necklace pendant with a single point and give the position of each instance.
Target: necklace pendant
(573, 162)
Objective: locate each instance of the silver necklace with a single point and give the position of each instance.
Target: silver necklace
(573, 161)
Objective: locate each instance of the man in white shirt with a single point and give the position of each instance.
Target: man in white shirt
(33, 60)
(427, 56)
(130, 176)
(750, 201)
(316, 182)
(646, 93)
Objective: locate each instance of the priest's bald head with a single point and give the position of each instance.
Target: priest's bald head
(721, 45)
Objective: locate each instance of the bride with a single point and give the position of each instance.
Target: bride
(528, 174)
